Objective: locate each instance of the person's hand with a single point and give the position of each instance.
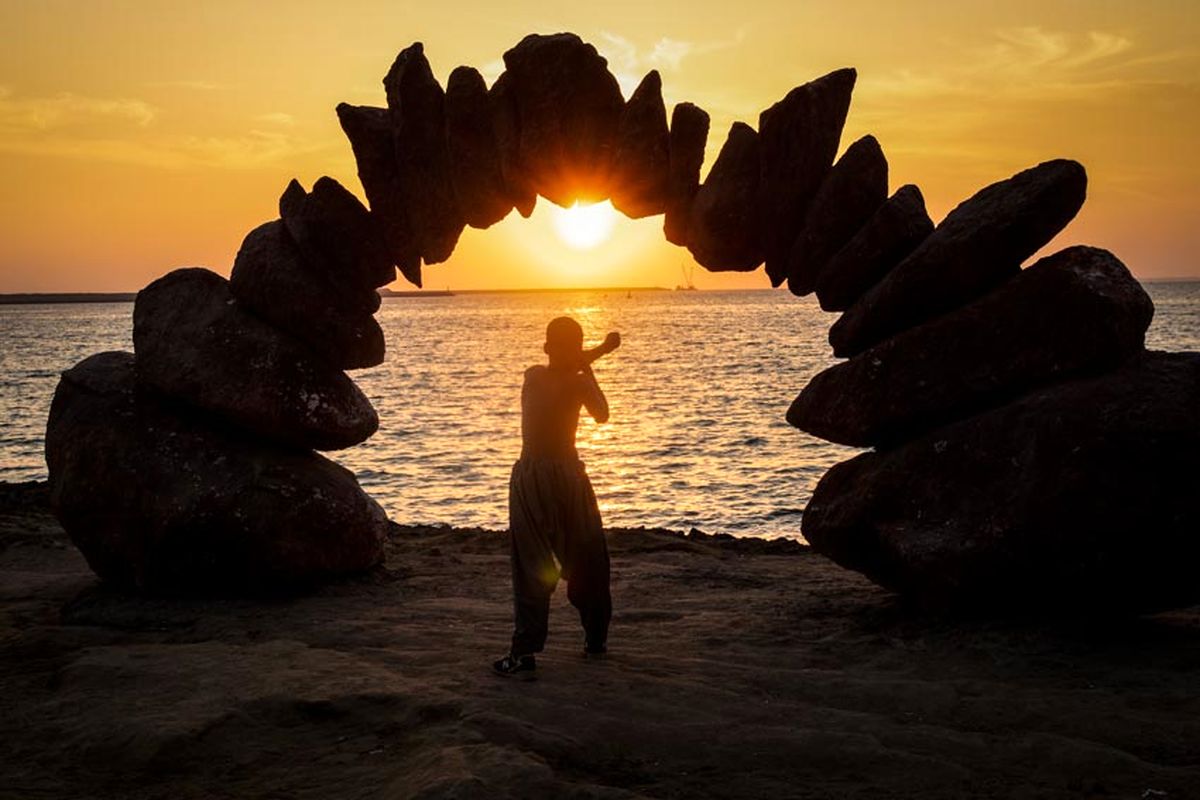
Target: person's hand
(612, 341)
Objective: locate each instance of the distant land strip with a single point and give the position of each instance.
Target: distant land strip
(31, 298)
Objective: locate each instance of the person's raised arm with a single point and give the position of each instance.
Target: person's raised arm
(593, 396)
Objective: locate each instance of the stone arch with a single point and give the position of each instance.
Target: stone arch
(209, 478)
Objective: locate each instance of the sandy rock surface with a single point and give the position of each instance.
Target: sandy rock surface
(738, 669)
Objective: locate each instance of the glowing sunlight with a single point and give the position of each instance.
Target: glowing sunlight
(585, 226)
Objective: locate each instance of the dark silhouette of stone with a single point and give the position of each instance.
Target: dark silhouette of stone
(194, 343)
(851, 193)
(800, 136)
(568, 108)
(370, 133)
(336, 234)
(723, 233)
(272, 281)
(1076, 312)
(641, 165)
(689, 134)
(416, 106)
(978, 246)
(507, 127)
(1079, 496)
(887, 239)
(162, 499)
(474, 155)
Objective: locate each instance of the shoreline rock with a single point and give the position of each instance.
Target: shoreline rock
(887, 239)
(800, 136)
(853, 190)
(1077, 496)
(978, 246)
(194, 343)
(163, 500)
(724, 228)
(1075, 312)
(687, 139)
(271, 280)
(642, 154)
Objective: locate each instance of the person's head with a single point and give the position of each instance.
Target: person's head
(564, 341)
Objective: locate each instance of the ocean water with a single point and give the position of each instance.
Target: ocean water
(698, 393)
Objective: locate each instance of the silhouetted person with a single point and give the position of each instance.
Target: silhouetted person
(552, 510)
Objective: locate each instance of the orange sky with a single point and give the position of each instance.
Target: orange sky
(140, 136)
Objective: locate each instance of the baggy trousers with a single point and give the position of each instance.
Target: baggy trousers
(552, 514)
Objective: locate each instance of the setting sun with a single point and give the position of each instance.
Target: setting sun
(585, 226)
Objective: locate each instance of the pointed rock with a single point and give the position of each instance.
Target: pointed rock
(162, 500)
(568, 108)
(1076, 312)
(370, 133)
(416, 106)
(800, 136)
(194, 343)
(724, 227)
(978, 246)
(272, 281)
(888, 238)
(689, 134)
(1080, 496)
(851, 193)
(507, 127)
(336, 234)
(474, 156)
(640, 167)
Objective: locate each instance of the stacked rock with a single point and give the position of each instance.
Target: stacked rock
(1028, 450)
(188, 465)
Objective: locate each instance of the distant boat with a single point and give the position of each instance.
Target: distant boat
(687, 285)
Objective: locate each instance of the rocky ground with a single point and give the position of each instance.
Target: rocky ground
(738, 669)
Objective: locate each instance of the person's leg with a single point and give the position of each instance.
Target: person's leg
(586, 565)
(534, 572)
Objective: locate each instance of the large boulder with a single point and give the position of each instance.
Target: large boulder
(689, 134)
(369, 130)
(851, 193)
(474, 155)
(274, 282)
(1076, 312)
(416, 106)
(723, 232)
(195, 343)
(337, 235)
(507, 127)
(800, 136)
(895, 230)
(1079, 496)
(978, 246)
(641, 164)
(568, 108)
(162, 499)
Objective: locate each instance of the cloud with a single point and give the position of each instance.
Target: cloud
(67, 109)
(629, 63)
(277, 118)
(1033, 63)
(251, 150)
(195, 85)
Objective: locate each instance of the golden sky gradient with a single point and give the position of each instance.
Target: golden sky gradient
(136, 137)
